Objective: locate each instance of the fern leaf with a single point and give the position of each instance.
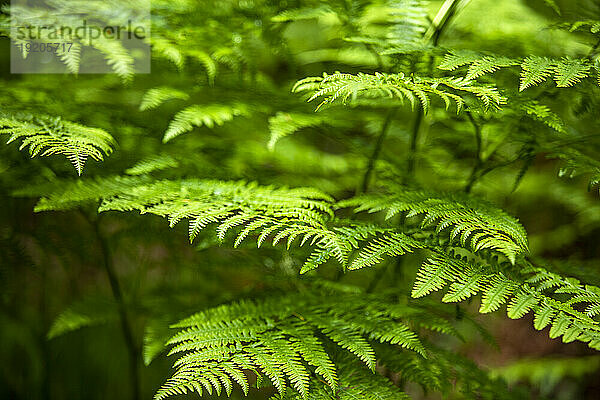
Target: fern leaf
(155, 97)
(202, 115)
(568, 72)
(151, 164)
(535, 70)
(46, 136)
(392, 244)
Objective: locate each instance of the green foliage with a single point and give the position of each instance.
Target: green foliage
(478, 225)
(325, 248)
(347, 87)
(46, 136)
(201, 115)
(550, 296)
(278, 338)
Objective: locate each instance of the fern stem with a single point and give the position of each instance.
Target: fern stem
(434, 33)
(412, 152)
(593, 49)
(126, 325)
(376, 151)
(478, 163)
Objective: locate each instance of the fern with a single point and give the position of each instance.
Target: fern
(277, 337)
(151, 164)
(157, 96)
(202, 115)
(475, 223)
(530, 289)
(285, 124)
(569, 72)
(46, 136)
(345, 87)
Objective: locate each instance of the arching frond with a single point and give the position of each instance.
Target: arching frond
(280, 339)
(348, 87)
(477, 224)
(550, 296)
(202, 115)
(46, 136)
(157, 96)
(151, 164)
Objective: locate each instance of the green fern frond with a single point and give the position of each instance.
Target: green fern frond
(458, 58)
(531, 289)
(391, 244)
(348, 87)
(157, 96)
(285, 124)
(535, 70)
(151, 164)
(568, 72)
(591, 24)
(279, 337)
(543, 114)
(304, 14)
(487, 65)
(576, 164)
(478, 224)
(202, 115)
(92, 311)
(46, 136)
(117, 56)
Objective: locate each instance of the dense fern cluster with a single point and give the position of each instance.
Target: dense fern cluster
(326, 241)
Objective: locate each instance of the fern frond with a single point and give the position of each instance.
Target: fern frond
(478, 224)
(543, 114)
(568, 72)
(531, 289)
(458, 58)
(202, 115)
(576, 164)
(487, 65)
(285, 124)
(279, 337)
(92, 311)
(348, 87)
(46, 136)
(300, 14)
(391, 244)
(157, 96)
(535, 70)
(151, 164)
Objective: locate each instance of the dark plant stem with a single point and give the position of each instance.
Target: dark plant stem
(414, 137)
(434, 33)
(593, 49)
(376, 151)
(475, 173)
(126, 325)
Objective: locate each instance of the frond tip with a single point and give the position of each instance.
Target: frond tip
(45, 136)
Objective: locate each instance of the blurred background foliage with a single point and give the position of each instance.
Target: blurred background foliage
(246, 55)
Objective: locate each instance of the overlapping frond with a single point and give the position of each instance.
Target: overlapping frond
(348, 87)
(566, 71)
(476, 224)
(46, 136)
(564, 304)
(283, 339)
